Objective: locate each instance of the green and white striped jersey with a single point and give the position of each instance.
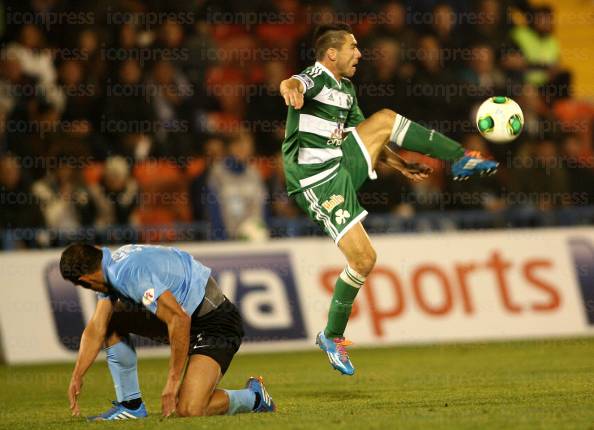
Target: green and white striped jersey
(315, 133)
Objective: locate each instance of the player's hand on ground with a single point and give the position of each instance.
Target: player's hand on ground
(73, 392)
(416, 171)
(293, 97)
(168, 401)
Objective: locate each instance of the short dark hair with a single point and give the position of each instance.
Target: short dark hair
(329, 36)
(79, 259)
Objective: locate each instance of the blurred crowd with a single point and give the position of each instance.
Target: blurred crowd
(143, 112)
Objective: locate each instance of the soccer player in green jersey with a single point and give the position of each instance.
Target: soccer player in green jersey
(329, 151)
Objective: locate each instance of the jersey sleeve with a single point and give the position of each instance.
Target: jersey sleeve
(148, 289)
(355, 116)
(312, 81)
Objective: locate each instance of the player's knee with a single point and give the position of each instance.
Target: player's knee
(371, 260)
(191, 410)
(112, 338)
(387, 117)
(365, 263)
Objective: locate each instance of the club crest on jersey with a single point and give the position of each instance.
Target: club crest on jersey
(332, 202)
(337, 135)
(148, 297)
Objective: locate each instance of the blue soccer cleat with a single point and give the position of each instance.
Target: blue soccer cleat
(265, 403)
(337, 353)
(120, 412)
(472, 163)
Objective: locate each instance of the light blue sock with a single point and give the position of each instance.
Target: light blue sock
(121, 359)
(240, 401)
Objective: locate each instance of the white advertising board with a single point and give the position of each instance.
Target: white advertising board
(425, 288)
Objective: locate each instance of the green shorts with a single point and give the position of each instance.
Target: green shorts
(333, 204)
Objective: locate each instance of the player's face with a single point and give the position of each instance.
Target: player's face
(94, 281)
(348, 56)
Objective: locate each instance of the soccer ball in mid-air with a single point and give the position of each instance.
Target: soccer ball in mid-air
(500, 119)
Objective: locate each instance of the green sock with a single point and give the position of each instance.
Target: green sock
(411, 136)
(342, 302)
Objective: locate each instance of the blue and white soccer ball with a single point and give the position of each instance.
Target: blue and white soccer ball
(500, 119)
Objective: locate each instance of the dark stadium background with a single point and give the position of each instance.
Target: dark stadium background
(159, 121)
(114, 115)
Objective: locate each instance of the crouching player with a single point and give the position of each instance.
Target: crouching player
(165, 295)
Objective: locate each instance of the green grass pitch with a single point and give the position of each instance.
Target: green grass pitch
(531, 385)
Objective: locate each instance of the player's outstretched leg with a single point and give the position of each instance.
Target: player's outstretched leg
(122, 363)
(387, 128)
(361, 257)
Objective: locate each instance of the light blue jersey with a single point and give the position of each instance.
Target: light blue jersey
(142, 273)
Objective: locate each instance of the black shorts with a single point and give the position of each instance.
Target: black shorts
(217, 334)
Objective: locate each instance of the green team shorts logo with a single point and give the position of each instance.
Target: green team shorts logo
(332, 202)
(341, 216)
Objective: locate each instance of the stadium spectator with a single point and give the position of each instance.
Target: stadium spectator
(18, 207)
(540, 48)
(236, 194)
(82, 102)
(429, 85)
(92, 59)
(170, 41)
(537, 115)
(384, 84)
(482, 76)
(116, 195)
(214, 151)
(3, 143)
(11, 79)
(540, 180)
(393, 26)
(280, 205)
(64, 199)
(35, 59)
(128, 116)
(492, 27)
(31, 133)
(580, 170)
(126, 37)
(169, 91)
(200, 48)
(267, 112)
(448, 35)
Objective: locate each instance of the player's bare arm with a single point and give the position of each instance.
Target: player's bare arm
(91, 342)
(413, 171)
(178, 326)
(292, 91)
